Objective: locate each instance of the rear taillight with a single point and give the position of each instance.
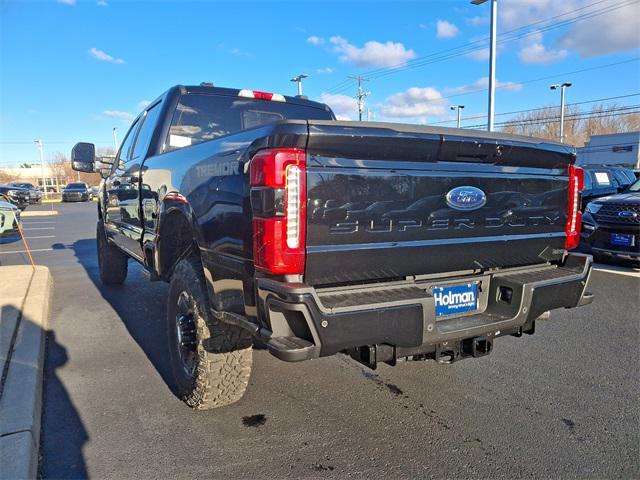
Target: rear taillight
(574, 216)
(278, 202)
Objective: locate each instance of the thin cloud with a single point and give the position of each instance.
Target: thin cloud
(344, 106)
(622, 33)
(102, 3)
(124, 116)
(233, 51)
(315, 40)
(325, 70)
(372, 53)
(483, 83)
(104, 56)
(611, 31)
(142, 104)
(535, 52)
(415, 102)
(476, 21)
(68, 2)
(446, 29)
(480, 55)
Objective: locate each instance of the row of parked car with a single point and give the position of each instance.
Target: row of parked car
(23, 194)
(611, 213)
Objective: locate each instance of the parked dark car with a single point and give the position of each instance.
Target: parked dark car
(611, 225)
(623, 176)
(18, 196)
(598, 182)
(35, 195)
(75, 192)
(272, 220)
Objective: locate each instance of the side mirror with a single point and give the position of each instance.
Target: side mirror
(83, 157)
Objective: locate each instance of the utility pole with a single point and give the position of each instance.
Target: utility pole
(115, 140)
(44, 180)
(492, 60)
(361, 95)
(298, 79)
(561, 86)
(459, 109)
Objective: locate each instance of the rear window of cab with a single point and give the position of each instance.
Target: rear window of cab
(200, 117)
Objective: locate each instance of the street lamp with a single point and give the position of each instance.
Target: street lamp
(459, 109)
(561, 86)
(298, 80)
(115, 140)
(492, 58)
(44, 180)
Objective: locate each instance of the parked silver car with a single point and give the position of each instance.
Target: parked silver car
(9, 217)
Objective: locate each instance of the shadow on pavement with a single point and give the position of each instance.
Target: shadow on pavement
(140, 304)
(64, 436)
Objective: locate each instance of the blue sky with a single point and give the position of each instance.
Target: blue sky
(72, 70)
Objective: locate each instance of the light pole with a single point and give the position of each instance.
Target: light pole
(561, 86)
(492, 59)
(298, 79)
(459, 109)
(44, 180)
(115, 140)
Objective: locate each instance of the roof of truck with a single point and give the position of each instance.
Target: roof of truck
(233, 92)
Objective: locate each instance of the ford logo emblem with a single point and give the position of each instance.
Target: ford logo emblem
(627, 214)
(466, 198)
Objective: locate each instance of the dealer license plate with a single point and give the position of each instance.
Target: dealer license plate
(621, 239)
(455, 299)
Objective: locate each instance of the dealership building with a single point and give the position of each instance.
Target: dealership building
(613, 149)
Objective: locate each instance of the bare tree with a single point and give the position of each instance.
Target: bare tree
(5, 177)
(61, 168)
(579, 125)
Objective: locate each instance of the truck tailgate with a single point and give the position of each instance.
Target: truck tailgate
(384, 201)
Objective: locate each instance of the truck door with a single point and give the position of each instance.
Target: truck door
(120, 190)
(146, 198)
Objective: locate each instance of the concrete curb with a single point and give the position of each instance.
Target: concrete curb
(39, 213)
(25, 298)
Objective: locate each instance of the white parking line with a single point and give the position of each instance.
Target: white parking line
(24, 251)
(37, 223)
(39, 228)
(43, 236)
(631, 272)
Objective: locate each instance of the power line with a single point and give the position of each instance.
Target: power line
(628, 110)
(389, 70)
(476, 117)
(466, 48)
(486, 38)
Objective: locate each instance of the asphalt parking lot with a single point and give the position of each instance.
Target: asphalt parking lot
(562, 403)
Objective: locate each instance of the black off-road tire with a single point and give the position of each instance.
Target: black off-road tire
(220, 356)
(111, 261)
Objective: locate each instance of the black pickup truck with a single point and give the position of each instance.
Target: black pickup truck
(273, 221)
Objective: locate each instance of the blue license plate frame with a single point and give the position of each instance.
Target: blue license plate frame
(458, 299)
(621, 239)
